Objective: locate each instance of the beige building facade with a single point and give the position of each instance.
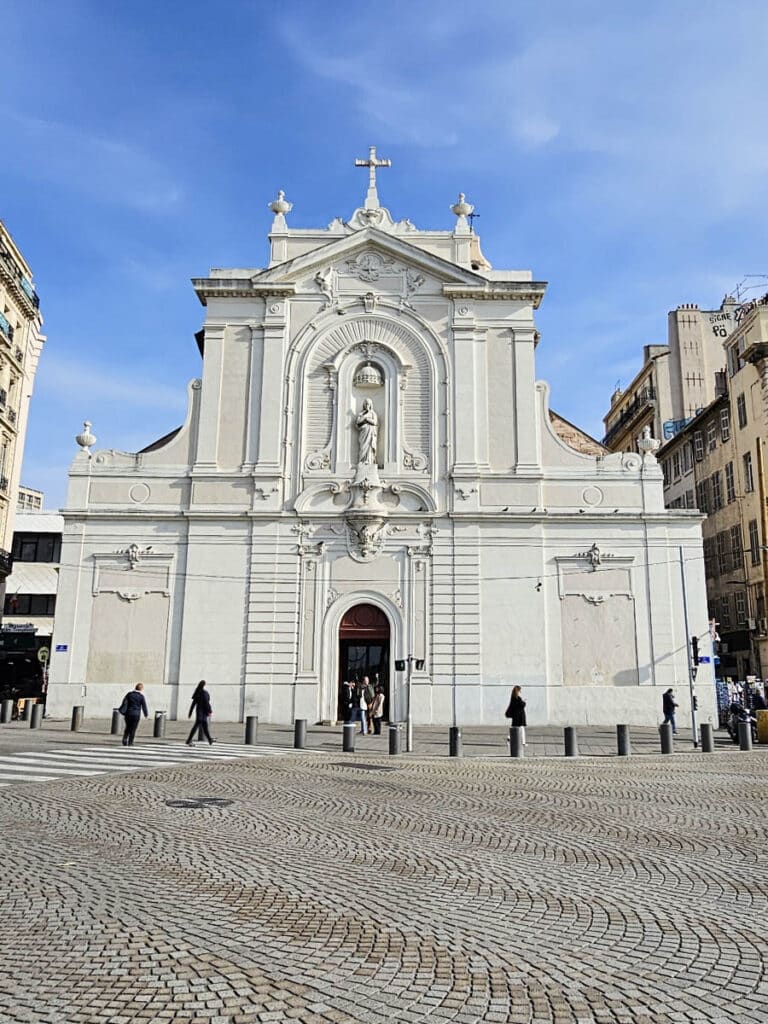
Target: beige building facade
(676, 381)
(21, 343)
(720, 455)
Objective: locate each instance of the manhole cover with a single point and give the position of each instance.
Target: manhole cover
(200, 801)
(372, 767)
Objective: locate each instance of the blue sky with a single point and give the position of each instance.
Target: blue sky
(619, 150)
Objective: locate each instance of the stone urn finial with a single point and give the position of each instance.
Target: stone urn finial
(462, 208)
(280, 206)
(646, 444)
(86, 440)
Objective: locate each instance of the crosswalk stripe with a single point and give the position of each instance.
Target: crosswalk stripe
(49, 765)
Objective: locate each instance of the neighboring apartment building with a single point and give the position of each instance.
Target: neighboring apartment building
(722, 454)
(29, 500)
(30, 604)
(676, 380)
(20, 345)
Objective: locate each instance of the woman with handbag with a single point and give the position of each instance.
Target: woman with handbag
(516, 711)
(201, 705)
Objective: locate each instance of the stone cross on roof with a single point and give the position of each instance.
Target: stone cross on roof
(372, 198)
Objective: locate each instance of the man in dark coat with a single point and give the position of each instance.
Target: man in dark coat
(133, 706)
(668, 706)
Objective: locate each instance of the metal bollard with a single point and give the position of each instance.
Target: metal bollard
(77, 718)
(36, 718)
(348, 738)
(745, 736)
(515, 741)
(623, 745)
(707, 739)
(6, 711)
(159, 730)
(395, 738)
(571, 741)
(26, 714)
(454, 742)
(251, 730)
(114, 729)
(667, 742)
(299, 733)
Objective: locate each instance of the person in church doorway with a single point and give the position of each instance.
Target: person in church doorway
(359, 707)
(346, 700)
(369, 692)
(377, 710)
(201, 706)
(668, 705)
(516, 710)
(133, 706)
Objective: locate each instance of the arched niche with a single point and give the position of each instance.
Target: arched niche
(406, 403)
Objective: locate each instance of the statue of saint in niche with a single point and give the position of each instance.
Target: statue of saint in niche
(367, 430)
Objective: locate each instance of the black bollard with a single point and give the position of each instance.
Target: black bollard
(6, 711)
(26, 714)
(299, 733)
(395, 738)
(77, 718)
(348, 738)
(622, 741)
(251, 730)
(115, 728)
(515, 741)
(707, 739)
(159, 730)
(571, 741)
(667, 742)
(745, 736)
(36, 718)
(454, 741)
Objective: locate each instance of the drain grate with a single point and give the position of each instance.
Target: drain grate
(196, 802)
(372, 767)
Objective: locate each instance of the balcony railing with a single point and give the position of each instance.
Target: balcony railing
(3, 483)
(636, 407)
(24, 283)
(18, 355)
(11, 414)
(6, 563)
(6, 328)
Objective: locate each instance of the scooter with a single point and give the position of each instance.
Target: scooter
(738, 713)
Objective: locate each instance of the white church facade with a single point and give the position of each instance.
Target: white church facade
(368, 471)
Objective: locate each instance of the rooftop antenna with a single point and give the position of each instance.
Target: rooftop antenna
(471, 219)
(742, 287)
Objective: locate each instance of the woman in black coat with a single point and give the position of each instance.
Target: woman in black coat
(516, 710)
(201, 705)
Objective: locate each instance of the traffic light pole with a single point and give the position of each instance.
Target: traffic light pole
(691, 652)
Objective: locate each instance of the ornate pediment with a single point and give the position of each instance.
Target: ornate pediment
(368, 251)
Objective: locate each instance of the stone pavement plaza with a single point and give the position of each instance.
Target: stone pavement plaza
(331, 888)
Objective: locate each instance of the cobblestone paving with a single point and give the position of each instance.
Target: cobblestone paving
(335, 890)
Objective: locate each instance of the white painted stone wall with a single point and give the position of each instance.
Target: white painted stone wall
(499, 554)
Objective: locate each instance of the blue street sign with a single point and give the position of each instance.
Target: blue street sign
(62, 647)
(704, 659)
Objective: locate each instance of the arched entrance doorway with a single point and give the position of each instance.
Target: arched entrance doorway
(364, 649)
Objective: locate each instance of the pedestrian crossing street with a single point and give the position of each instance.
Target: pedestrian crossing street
(76, 761)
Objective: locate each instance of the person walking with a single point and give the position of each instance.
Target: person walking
(377, 710)
(133, 706)
(669, 704)
(201, 706)
(516, 711)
